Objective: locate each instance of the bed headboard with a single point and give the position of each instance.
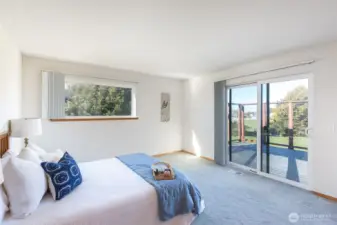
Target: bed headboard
(4, 143)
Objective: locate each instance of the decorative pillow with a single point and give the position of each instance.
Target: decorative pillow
(52, 156)
(25, 185)
(30, 155)
(46, 156)
(63, 177)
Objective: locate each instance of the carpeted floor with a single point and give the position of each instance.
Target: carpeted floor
(236, 197)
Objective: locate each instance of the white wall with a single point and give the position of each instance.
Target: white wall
(199, 105)
(94, 140)
(10, 85)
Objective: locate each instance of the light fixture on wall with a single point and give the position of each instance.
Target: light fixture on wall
(25, 128)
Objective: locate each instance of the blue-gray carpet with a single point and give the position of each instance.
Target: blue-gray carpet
(249, 199)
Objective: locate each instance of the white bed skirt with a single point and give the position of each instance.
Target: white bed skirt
(111, 193)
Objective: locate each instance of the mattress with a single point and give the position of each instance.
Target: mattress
(111, 193)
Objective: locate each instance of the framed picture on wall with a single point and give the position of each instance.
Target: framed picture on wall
(165, 107)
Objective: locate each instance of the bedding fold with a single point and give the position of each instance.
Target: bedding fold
(175, 197)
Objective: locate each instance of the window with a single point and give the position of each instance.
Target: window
(97, 100)
(76, 97)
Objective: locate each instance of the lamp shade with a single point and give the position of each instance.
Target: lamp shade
(26, 127)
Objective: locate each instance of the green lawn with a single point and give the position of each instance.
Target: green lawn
(252, 124)
(298, 141)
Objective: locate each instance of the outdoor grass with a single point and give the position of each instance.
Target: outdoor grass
(252, 124)
(298, 141)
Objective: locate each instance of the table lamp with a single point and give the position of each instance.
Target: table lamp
(25, 128)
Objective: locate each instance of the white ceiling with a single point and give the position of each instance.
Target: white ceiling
(177, 38)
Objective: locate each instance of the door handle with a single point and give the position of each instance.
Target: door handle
(307, 131)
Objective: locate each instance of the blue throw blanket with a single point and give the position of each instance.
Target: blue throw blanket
(175, 197)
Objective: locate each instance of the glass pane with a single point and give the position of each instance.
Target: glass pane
(284, 141)
(97, 100)
(244, 125)
(265, 128)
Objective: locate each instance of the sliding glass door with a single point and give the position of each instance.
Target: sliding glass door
(284, 125)
(242, 108)
(267, 128)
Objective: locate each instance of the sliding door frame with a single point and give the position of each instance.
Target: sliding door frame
(308, 76)
(258, 169)
(229, 119)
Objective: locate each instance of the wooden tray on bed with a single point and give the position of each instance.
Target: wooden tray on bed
(162, 171)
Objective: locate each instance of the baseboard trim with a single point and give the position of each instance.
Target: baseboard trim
(192, 153)
(182, 151)
(167, 153)
(325, 196)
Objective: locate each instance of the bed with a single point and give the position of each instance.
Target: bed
(110, 193)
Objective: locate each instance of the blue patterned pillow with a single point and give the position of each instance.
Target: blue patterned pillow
(64, 176)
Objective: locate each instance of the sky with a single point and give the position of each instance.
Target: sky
(278, 91)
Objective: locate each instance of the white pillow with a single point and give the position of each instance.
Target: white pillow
(25, 184)
(7, 155)
(30, 155)
(52, 156)
(46, 156)
(3, 203)
(5, 158)
(36, 148)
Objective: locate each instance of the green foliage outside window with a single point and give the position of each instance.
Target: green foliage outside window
(97, 100)
(279, 118)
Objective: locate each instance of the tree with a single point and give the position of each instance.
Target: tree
(97, 100)
(279, 118)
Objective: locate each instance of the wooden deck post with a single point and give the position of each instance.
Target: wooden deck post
(239, 123)
(228, 121)
(242, 123)
(264, 114)
(264, 122)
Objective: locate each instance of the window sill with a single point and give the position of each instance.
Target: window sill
(93, 119)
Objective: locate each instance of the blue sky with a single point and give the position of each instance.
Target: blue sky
(278, 91)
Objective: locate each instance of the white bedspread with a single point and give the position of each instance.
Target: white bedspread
(110, 194)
